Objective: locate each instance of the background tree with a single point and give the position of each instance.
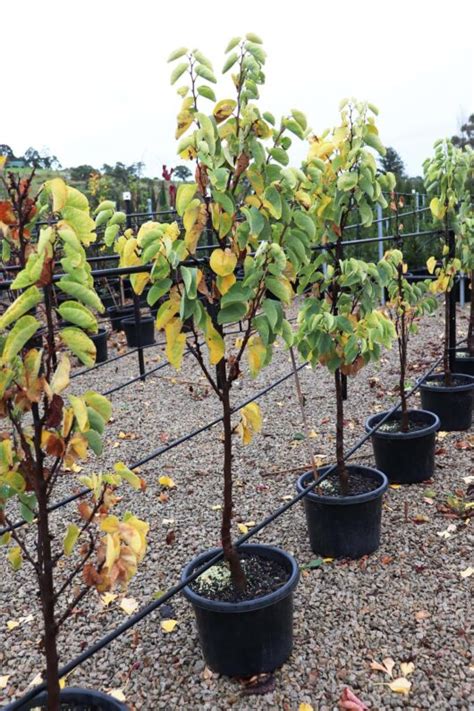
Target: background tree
(81, 172)
(182, 172)
(391, 162)
(466, 134)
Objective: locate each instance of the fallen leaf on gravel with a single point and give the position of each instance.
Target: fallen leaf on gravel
(351, 702)
(315, 563)
(386, 559)
(395, 486)
(328, 560)
(440, 450)
(170, 538)
(258, 685)
(305, 707)
(4, 681)
(129, 605)
(447, 532)
(420, 518)
(244, 527)
(127, 435)
(107, 598)
(468, 479)
(208, 674)
(422, 615)
(313, 434)
(407, 668)
(11, 624)
(400, 685)
(166, 481)
(36, 680)
(167, 521)
(168, 625)
(216, 507)
(163, 497)
(463, 444)
(429, 493)
(442, 435)
(386, 666)
(467, 573)
(116, 694)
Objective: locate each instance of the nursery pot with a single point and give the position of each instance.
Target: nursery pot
(452, 404)
(147, 331)
(405, 457)
(248, 637)
(117, 313)
(464, 363)
(344, 526)
(76, 699)
(100, 340)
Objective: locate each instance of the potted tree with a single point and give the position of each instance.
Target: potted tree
(404, 445)
(243, 209)
(49, 431)
(340, 326)
(464, 360)
(448, 394)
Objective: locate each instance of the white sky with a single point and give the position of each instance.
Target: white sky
(89, 80)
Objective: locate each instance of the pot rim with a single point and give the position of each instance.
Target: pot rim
(345, 500)
(100, 332)
(245, 605)
(81, 695)
(131, 319)
(463, 387)
(464, 350)
(414, 434)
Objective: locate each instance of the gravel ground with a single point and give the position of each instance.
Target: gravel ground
(408, 601)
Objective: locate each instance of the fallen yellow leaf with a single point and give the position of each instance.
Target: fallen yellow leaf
(129, 605)
(107, 598)
(407, 668)
(313, 434)
(305, 707)
(467, 572)
(328, 560)
(11, 624)
(242, 528)
(168, 625)
(216, 507)
(4, 681)
(36, 680)
(395, 486)
(442, 435)
(117, 694)
(400, 685)
(166, 481)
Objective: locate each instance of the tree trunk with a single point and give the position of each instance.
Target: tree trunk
(341, 467)
(403, 336)
(447, 319)
(470, 332)
(230, 553)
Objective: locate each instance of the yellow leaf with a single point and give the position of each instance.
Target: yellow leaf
(257, 352)
(437, 208)
(4, 679)
(328, 560)
(166, 312)
(60, 379)
(63, 681)
(175, 342)
(242, 528)
(395, 486)
(250, 423)
(129, 605)
(36, 680)
(431, 264)
(225, 283)
(467, 572)
(3, 160)
(71, 537)
(117, 694)
(166, 481)
(223, 109)
(58, 189)
(407, 668)
(107, 598)
(313, 434)
(223, 262)
(305, 707)
(214, 341)
(80, 412)
(168, 625)
(389, 665)
(400, 685)
(11, 624)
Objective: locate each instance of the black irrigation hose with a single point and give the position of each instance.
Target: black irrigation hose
(151, 607)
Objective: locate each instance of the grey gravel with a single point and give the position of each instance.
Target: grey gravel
(347, 614)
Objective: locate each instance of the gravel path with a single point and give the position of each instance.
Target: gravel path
(408, 601)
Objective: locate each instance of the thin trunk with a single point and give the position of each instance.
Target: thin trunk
(403, 336)
(230, 552)
(341, 467)
(470, 332)
(447, 320)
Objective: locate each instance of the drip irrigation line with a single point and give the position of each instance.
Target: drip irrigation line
(175, 589)
(116, 388)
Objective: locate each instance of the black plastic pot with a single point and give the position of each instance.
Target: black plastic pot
(344, 526)
(452, 404)
(100, 340)
(405, 457)
(117, 313)
(464, 363)
(76, 699)
(250, 637)
(147, 331)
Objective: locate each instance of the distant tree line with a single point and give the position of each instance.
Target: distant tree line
(30, 159)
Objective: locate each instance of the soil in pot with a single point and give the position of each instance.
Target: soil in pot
(464, 362)
(146, 331)
(452, 403)
(100, 340)
(76, 699)
(345, 525)
(405, 457)
(246, 636)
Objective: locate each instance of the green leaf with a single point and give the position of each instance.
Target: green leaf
(202, 59)
(315, 563)
(185, 194)
(15, 557)
(80, 344)
(300, 118)
(111, 232)
(229, 62)
(178, 71)
(103, 217)
(21, 306)
(374, 141)
(81, 293)
(99, 403)
(233, 312)
(233, 43)
(280, 155)
(272, 310)
(177, 53)
(273, 197)
(305, 223)
(237, 293)
(347, 181)
(159, 289)
(128, 475)
(225, 200)
(255, 219)
(207, 92)
(205, 73)
(21, 332)
(189, 275)
(96, 421)
(70, 539)
(28, 504)
(79, 315)
(95, 442)
(253, 38)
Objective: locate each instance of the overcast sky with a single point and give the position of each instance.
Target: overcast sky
(89, 80)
